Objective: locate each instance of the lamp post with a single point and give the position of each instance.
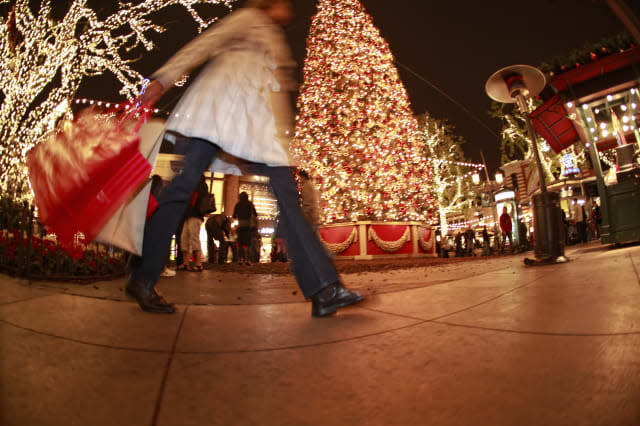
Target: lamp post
(514, 84)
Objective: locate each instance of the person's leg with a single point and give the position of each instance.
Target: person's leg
(185, 245)
(198, 155)
(313, 269)
(243, 244)
(178, 234)
(234, 252)
(218, 235)
(197, 256)
(241, 254)
(211, 252)
(311, 266)
(196, 246)
(186, 260)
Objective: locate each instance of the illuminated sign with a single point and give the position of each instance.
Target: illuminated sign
(506, 195)
(569, 165)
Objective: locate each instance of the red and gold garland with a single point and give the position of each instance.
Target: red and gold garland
(340, 247)
(390, 246)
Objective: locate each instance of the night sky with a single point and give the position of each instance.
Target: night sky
(454, 45)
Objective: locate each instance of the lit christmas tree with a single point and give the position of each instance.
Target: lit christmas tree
(355, 129)
(48, 48)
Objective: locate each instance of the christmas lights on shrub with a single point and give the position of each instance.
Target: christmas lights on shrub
(45, 60)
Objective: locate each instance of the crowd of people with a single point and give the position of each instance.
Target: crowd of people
(580, 225)
(466, 242)
(582, 222)
(234, 239)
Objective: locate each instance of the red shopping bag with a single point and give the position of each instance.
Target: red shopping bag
(85, 171)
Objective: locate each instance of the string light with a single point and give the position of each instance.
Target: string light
(456, 226)
(355, 129)
(45, 60)
(458, 163)
(115, 106)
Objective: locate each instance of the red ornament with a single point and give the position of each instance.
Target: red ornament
(593, 56)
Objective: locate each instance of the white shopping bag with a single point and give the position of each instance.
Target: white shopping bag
(125, 229)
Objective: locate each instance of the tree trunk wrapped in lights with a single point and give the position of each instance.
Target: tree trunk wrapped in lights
(355, 130)
(450, 171)
(45, 58)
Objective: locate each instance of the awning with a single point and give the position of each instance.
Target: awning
(551, 121)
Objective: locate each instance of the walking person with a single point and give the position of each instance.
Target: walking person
(469, 242)
(597, 218)
(156, 190)
(244, 212)
(486, 244)
(506, 228)
(458, 243)
(238, 106)
(579, 219)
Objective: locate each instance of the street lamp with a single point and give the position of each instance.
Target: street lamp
(499, 178)
(514, 84)
(475, 178)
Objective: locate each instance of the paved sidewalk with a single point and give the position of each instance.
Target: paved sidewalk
(473, 343)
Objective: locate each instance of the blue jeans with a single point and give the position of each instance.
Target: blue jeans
(311, 266)
(172, 204)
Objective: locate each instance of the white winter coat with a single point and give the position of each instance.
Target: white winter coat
(239, 101)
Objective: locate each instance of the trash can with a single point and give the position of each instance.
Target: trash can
(548, 226)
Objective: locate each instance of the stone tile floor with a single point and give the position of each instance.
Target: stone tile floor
(480, 342)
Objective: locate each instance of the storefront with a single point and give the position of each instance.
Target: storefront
(226, 190)
(598, 105)
(507, 200)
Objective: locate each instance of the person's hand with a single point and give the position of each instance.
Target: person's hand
(153, 92)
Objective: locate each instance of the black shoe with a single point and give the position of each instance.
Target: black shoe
(148, 298)
(329, 299)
